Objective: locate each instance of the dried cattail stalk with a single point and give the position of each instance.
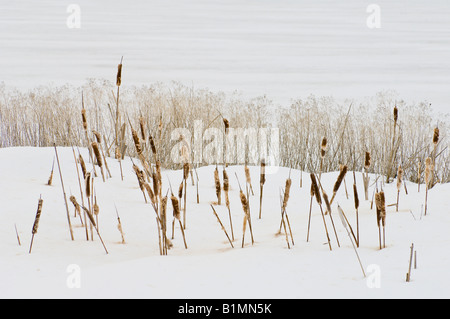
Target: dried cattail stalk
(286, 193)
(218, 187)
(338, 182)
(98, 157)
(152, 144)
(221, 225)
(142, 127)
(429, 167)
(315, 189)
(356, 198)
(262, 180)
(328, 206)
(248, 178)
(97, 135)
(137, 142)
(36, 221)
(245, 208)
(226, 188)
(83, 165)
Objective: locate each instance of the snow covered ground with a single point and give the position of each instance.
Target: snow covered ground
(210, 268)
(285, 49)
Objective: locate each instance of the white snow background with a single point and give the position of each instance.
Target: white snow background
(284, 49)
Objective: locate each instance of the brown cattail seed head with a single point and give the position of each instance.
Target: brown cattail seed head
(180, 190)
(226, 184)
(327, 202)
(244, 202)
(149, 192)
(340, 179)
(38, 216)
(88, 184)
(367, 160)
(152, 144)
(395, 114)
(323, 147)
(262, 179)
(119, 75)
(217, 183)
(142, 126)
(226, 124)
(98, 137)
(378, 206)
(315, 188)
(98, 157)
(355, 194)
(137, 142)
(399, 177)
(436, 136)
(176, 207)
(287, 190)
(247, 174)
(83, 165)
(83, 118)
(185, 171)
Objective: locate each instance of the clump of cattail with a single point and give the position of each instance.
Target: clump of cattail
(217, 184)
(399, 183)
(36, 221)
(338, 182)
(262, 180)
(98, 157)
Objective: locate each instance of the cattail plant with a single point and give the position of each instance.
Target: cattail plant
(429, 167)
(217, 184)
(366, 177)
(378, 209)
(177, 216)
(338, 182)
(36, 222)
(82, 165)
(393, 148)
(262, 180)
(356, 198)
(119, 225)
(226, 188)
(323, 151)
(49, 182)
(185, 177)
(247, 218)
(77, 208)
(381, 215)
(98, 137)
(94, 225)
(98, 157)
(141, 179)
(85, 127)
(81, 190)
(399, 184)
(315, 189)
(248, 178)
(284, 216)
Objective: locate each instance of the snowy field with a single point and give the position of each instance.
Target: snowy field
(284, 49)
(210, 267)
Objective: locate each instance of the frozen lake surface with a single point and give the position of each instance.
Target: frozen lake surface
(284, 49)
